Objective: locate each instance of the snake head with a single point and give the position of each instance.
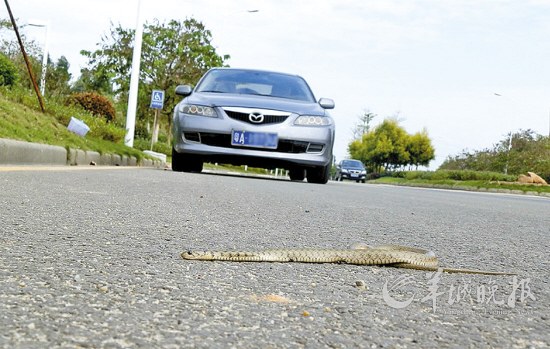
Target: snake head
(201, 255)
(188, 255)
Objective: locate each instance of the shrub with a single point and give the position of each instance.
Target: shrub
(477, 176)
(99, 127)
(105, 130)
(457, 175)
(94, 103)
(159, 147)
(373, 175)
(8, 71)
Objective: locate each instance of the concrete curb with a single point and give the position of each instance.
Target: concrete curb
(14, 152)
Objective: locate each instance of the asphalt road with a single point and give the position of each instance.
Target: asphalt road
(92, 259)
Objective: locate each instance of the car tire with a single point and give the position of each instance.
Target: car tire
(318, 175)
(297, 174)
(186, 162)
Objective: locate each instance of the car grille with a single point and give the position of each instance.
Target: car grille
(224, 141)
(244, 117)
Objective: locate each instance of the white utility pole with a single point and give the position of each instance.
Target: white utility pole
(134, 82)
(46, 26)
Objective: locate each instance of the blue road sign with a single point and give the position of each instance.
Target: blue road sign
(157, 99)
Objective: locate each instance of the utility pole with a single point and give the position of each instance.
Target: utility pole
(46, 27)
(134, 82)
(27, 63)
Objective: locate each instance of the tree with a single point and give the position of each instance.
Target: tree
(388, 146)
(173, 53)
(10, 48)
(517, 153)
(364, 124)
(357, 150)
(396, 138)
(420, 149)
(8, 41)
(58, 78)
(98, 81)
(8, 71)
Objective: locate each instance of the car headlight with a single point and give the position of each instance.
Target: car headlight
(199, 110)
(344, 170)
(308, 120)
(364, 172)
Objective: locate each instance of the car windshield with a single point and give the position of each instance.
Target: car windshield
(352, 164)
(256, 83)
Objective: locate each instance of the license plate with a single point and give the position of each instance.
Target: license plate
(254, 139)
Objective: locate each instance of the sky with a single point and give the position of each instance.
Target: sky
(467, 71)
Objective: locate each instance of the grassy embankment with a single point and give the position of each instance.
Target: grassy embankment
(463, 180)
(21, 119)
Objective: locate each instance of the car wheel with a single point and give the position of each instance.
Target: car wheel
(362, 181)
(185, 162)
(297, 174)
(318, 174)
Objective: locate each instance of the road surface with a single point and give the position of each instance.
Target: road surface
(92, 259)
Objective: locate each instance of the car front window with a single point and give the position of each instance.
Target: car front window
(256, 83)
(353, 164)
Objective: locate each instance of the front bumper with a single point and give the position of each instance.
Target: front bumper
(210, 138)
(353, 175)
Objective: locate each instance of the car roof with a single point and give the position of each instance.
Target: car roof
(254, 70)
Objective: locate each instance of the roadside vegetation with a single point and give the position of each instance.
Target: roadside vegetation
(462, 179)
(173, 53)
(388, 147)
(517, 153)
(21, 119)
(179, 52)
(390, 154)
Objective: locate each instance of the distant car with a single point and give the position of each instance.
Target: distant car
(350, 169)
(253, 117)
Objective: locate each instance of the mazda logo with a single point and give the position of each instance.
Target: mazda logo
(256, 118)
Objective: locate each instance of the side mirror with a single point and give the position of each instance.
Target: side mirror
(326, 103)
(184, 90)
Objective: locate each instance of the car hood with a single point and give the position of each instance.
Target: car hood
(253, 101)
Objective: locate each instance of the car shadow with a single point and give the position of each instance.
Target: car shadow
(246, 175)
(252, 176)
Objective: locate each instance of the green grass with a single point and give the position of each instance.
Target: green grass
(21, 119)
(478, 185)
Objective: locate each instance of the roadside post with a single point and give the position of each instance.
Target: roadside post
(157, 103)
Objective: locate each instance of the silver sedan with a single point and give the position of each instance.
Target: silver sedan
(253, 117)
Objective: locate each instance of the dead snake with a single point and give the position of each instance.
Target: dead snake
(385, 255)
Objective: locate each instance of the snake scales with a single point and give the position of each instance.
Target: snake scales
(385, 255)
